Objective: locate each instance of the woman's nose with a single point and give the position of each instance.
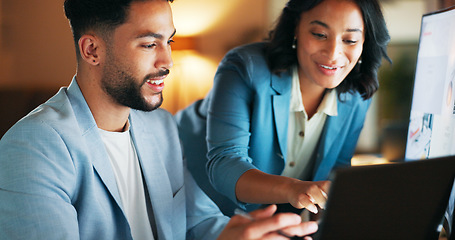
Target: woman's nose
(333, 49)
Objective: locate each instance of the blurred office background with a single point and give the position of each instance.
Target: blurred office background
(37, 58)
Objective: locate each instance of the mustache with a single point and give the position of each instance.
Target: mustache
(160, 73)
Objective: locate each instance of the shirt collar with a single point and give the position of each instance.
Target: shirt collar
(327, 106)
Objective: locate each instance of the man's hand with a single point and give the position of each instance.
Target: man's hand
(263, 224)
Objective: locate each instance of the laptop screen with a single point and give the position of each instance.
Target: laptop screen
(431, 131)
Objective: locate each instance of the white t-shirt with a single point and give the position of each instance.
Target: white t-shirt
(304, 133)
(128, 175)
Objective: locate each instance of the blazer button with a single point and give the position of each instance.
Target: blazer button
(292, 164)
(301, 134)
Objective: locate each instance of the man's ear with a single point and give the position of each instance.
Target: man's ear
(89, 48)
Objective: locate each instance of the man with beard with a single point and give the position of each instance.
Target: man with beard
(99, 160)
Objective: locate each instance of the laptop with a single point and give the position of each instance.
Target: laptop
(400, 201)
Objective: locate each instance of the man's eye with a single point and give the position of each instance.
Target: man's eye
(149, 45)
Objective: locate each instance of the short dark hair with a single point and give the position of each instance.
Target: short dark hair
(363, 78)
(99, 15)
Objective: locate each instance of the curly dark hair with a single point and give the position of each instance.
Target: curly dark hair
(363, 78)
(98, 15)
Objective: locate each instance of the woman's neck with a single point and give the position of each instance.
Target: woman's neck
(312, 96)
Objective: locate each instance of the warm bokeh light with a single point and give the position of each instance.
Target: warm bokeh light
(197, 16)
(368, 159)
(192, 74)
(190, 79)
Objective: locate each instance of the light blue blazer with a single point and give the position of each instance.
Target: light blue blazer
(243, 124)
(56, 180)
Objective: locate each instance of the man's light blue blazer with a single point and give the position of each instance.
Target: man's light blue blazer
(243, 124)
(56, 180)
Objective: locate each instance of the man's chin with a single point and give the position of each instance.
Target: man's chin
(154, 103)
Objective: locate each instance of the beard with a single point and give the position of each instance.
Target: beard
(125, 89)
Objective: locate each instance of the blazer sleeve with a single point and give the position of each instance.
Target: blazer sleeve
(36, 181)
(204, 219)
(228, 123)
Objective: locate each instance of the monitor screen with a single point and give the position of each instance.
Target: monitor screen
(431, 131)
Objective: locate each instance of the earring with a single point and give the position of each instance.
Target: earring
(294, 43)
(360, 61)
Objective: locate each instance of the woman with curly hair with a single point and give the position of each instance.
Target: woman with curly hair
(286, 112)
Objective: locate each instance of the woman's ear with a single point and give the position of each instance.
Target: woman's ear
(89, 48)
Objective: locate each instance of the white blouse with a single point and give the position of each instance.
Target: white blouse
(304, 133)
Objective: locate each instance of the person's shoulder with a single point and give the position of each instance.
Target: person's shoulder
(248, 58)
(250, 49)
(354, 99)
(52, 122)
(55, 111)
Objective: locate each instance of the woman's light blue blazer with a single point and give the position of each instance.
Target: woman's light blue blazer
(242, 124)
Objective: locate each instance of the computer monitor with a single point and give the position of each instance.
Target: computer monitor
(431, 131)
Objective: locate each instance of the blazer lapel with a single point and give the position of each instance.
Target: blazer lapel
(334, 125)
(330, 133)
(155, 177)
(102, 165)
(93, 141)
(282, 86)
